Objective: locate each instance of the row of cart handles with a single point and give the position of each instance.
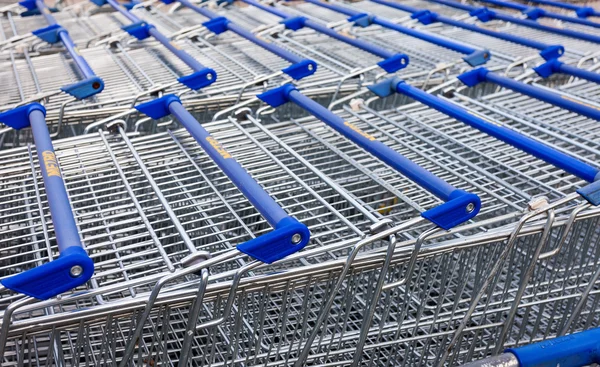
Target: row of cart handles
(74, 267)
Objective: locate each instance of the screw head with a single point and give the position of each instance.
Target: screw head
(209, 76)
(296, 239)
(76, 271)
(310, 67)
(470, 207)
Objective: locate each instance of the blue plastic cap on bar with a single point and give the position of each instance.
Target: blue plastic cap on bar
(50, 33)
(139, 30)
(534, 13)
(217, 25)
(279, 243)
(394, 63)
(99, 2)
(483, 14)
(158, 108)
(277, 96)
(301, 69)
(477, 58)
(167, 2)
(425, 17)
(294, 23)
(591, 192)
(361, 19)
(18, 118)
(585, 12)
(461, 207)
(548, 68)
(85, 88)
(473, 77)
(199, 79)
(552, 52)
(28, 4)
(386, 87)
(55, 277)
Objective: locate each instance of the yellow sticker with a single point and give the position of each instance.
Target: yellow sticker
(218, 147)
(359, 131)
(579, 102)
(46, 11)
(50, 163)
(175, 45)
(77, 51)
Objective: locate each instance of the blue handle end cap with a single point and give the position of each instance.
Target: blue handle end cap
(478, 57)
(139, 30)
(277, 96)
(534, 13)
(18, 118)
(49, 34)
(386, 87)
(362, 19)
(552, 52)
(98, 2)
(473, 77)
(294, 23)
(28, 4)
(301, 69)
(425, 17)
(167, 2)
(483, 14)
(277, 244)
(459, 209)
(585, 12)
(85, 88)
(55, 277)
(548, 68)
(217, 25)
(199, 79)
(394, 63)
(159, 107)
(591, 192)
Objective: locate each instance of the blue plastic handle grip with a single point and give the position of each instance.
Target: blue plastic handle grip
(479, 75)
(556, 66)
(519, 141)
(575, 350)
(470, 27)
(54, 277)
(238, 175)
(416, 173)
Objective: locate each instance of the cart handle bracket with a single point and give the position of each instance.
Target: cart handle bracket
(18, 118)
(591, 192)
(50, 34)
(139, 30)
(361, 19)
(217, 25)
(425, 17)
(552, 52)
(294, 23)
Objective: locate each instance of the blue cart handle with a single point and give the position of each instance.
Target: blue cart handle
(535, 148)
(474, 56)
(485, 14)
(300, 67)
(392, 61)
(556, 66)
(581, 11)
(53, 33)
(575, 350)
(479, 75)
(73, 267)
(289, 235)
(202, 75)
(459, 205)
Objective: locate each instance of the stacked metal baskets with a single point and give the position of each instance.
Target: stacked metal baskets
(307, 183)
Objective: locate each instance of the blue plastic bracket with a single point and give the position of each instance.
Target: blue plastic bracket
(99, 2)
(301, 69)
(361, 19)
(585, 12)
(548, 68)
(167, 2)
(477, 58)
(130, 5)
(28, 4)
(217, 25)
(199, 79)
(277, 244)
(394, 63)
(139, 30)
(591, 192)
(50, 33)
(552, 52)
(534, 13)
(459, 209)
(425, 17)
(385, 88)
(483, 14)
(158, 108)
(294, 23)
(53, 278)
(18, 118)
(85, 88)
(473, 77)
(277, 96)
